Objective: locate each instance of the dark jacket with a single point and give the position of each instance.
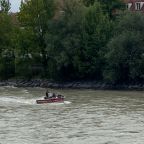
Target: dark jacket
(46, 94)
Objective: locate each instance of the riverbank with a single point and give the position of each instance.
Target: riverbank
(74, 84)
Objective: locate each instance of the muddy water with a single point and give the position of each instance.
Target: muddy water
(85, 117)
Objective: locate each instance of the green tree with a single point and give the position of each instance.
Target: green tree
(25, 42)
(34, 15)
(125, 55)
(87, 2)
(5, 5)
(97, 30)
(6, 52)
(108, 6)
(5, 31)
(64, 38)
(25, 46)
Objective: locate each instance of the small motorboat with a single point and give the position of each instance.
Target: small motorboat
(50, 100)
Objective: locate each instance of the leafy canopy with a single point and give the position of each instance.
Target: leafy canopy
(64, 38)
(33, 16)
(5, 5)
(125, 56)
(108, 6)
(97, 30)
(6, 31)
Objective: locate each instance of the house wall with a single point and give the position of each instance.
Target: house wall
(133, 2)
(14, 18)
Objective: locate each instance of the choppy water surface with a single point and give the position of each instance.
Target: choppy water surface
(85, 117)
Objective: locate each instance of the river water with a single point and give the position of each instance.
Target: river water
(85, 117)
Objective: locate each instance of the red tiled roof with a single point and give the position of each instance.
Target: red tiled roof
(14, 13)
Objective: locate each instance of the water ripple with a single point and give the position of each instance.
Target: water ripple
(85, 117)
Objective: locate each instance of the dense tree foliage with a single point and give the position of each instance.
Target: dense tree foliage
(26, 42)
(6, 34)
(83, 41)
(108, 6)
(33, 16)
(125, 56)
(5, 31)
(5, 5)
(64, 38)
(6, 27)
(25, 46)
(97, 30)
(87, 2)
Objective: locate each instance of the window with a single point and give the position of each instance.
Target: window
(137, 6)
(128, 5)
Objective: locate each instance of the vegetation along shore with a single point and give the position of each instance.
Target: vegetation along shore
(72, 41)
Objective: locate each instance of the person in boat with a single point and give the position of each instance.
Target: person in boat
(59, 95)
(47, 94)
(54, 96)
